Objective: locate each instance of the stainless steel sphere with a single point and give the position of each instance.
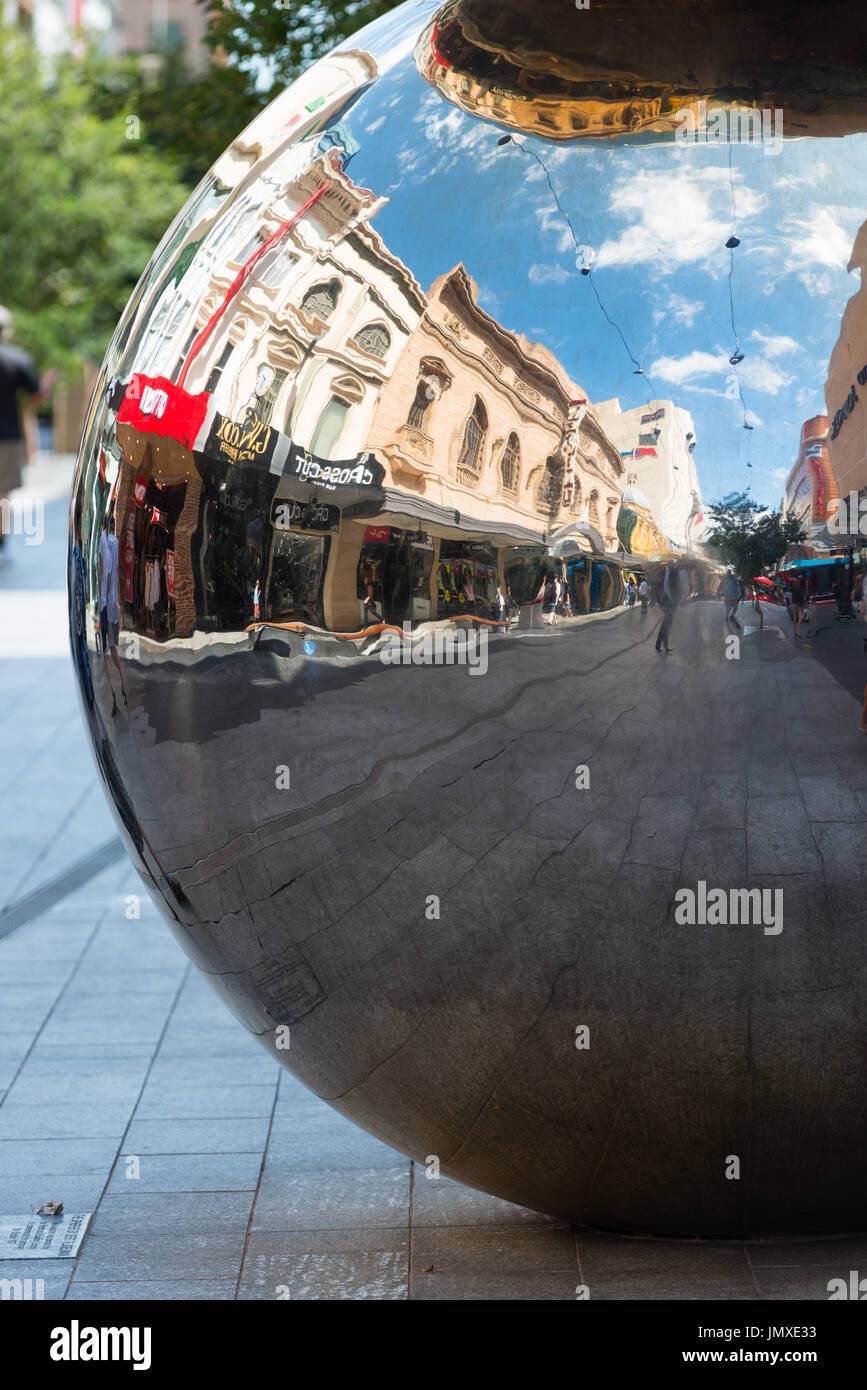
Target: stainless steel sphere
(459, 764)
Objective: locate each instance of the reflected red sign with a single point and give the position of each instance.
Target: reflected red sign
(155, 405)
(140, 490)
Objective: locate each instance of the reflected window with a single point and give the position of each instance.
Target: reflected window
(375, 339)
(550, 490)
(272, 381)
(510, 464)
(418, 409)
(593, 508)
(217, 369)
(330, 427)
(296, 574)
(321, 300)
(470, 457)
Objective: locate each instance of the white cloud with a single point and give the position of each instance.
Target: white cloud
(757, 373)
(775, 345)
(818, 240)
(760, 375)
(680, 370)
(681, 309)
(548, 274)
(677, 217)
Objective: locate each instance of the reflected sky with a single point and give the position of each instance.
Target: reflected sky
(657, 215)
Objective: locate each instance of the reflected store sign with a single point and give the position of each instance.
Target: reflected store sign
(393, 535)
(154, 405)
(290, 515)
(363, 471)
(250, 441)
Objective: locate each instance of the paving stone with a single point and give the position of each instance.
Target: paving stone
(202, 1172)
(163, 1291)
(175, 1212)
(801, 1283)
(55, 1273)
(494, 1262)
(161, 1256)
(366, 1197)
(197, 1136)
(623, 1269)
(189, 1101)
(365, 1264)
(47, 1120)
(26, 1157)
(443, 1202)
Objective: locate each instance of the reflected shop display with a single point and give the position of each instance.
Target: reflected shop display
(445, 358)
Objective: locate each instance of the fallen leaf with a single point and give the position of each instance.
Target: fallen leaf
(48, 1209)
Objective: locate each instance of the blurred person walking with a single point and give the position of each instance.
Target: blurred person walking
(17, 377)
(109, 608)
(730, 592)
(797, 602)
(674, 589)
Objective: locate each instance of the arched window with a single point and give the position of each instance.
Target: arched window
(321, 300)
(375, 339)
(593, 508)
(329, 428)
(510, 464)
(550, 490)
(476, 428)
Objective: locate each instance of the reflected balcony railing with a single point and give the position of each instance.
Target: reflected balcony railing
(410, 450)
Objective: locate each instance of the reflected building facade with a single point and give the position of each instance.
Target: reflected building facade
(811, 484)
(846, 389)
(658, 443)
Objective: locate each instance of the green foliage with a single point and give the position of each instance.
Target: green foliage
(98, 155)
(83, 207)
(190, 116)
(746, 535)
(282, 37)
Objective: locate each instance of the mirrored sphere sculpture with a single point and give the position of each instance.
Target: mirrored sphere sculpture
(523, 830)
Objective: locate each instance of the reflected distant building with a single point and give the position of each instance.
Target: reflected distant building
(475, 418)
(810, 485)
(846, 388)
(636, 528)
(657, 442)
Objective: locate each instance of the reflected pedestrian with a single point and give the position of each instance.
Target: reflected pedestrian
(109, 608)
(675, 587)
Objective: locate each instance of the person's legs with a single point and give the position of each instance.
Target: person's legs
(115, 656)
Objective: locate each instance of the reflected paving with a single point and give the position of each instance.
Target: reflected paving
(382, 715)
